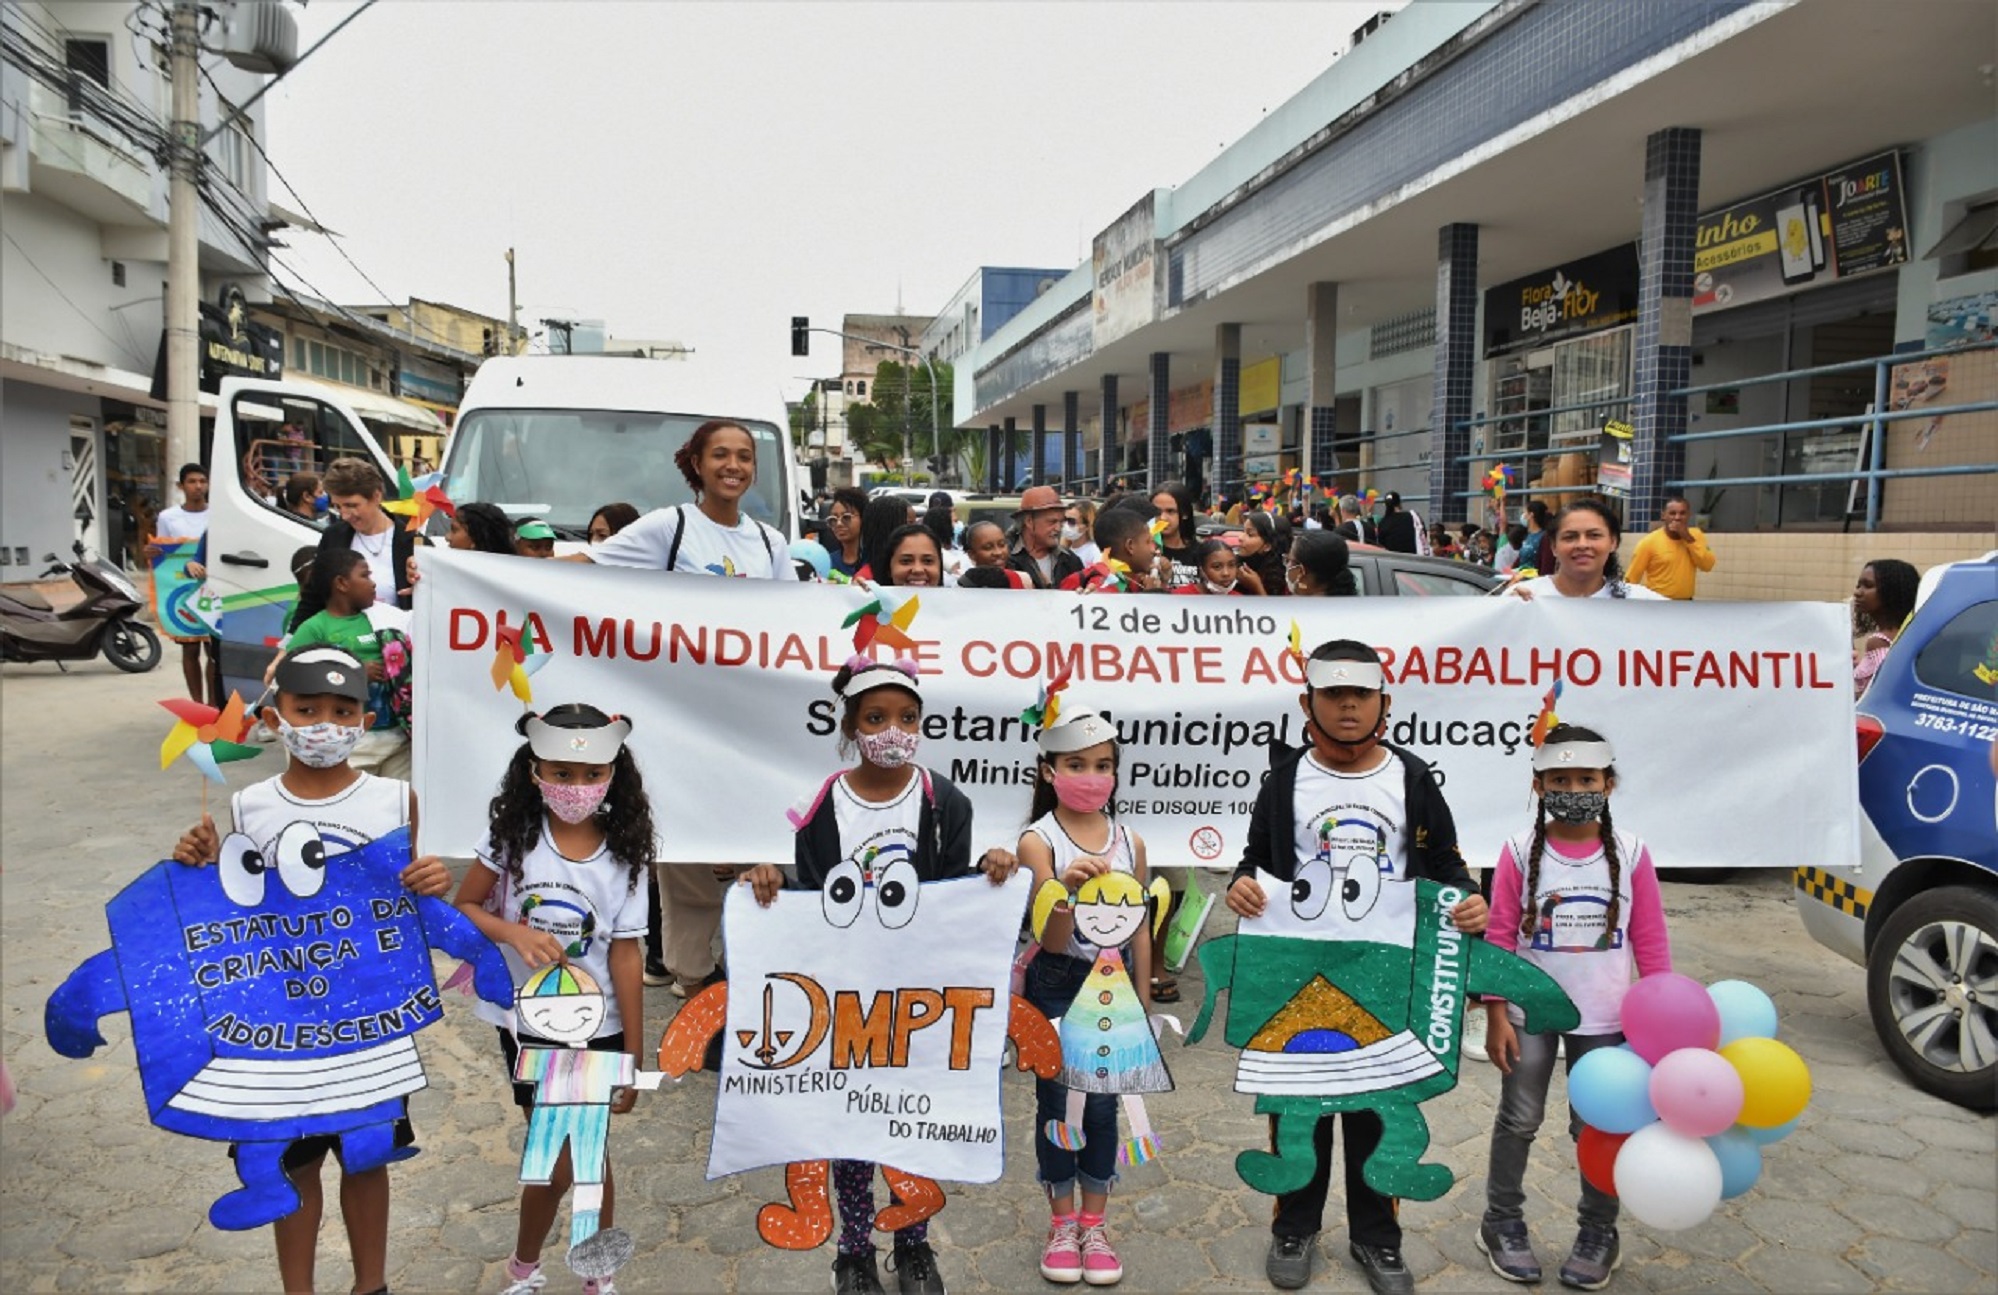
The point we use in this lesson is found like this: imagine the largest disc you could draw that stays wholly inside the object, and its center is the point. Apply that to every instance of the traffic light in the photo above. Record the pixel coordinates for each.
(801, 342)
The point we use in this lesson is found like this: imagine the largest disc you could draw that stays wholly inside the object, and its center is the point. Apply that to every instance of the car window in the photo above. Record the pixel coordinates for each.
(1963, 658)
(1429, 584)
(1363, 580)
(279, 435)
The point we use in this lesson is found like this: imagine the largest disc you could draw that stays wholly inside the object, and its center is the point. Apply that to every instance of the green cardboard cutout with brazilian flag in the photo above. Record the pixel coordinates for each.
(1348, 994)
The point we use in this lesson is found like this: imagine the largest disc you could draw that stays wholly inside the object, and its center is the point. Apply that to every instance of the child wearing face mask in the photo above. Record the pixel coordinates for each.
(563, 876)
(1073, 835)
(884, 810)
(1219, 570)
(319, 712)
(1579, 900)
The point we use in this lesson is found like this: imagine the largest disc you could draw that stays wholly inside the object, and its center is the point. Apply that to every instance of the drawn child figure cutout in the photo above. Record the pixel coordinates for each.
(1107, 1042)
(573, 1087)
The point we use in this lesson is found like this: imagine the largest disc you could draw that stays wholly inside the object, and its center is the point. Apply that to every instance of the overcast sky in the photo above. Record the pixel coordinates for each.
(704, 172)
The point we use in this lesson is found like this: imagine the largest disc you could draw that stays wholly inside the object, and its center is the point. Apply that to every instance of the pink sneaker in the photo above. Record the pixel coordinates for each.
(1062, 1260)
(1100, 1266)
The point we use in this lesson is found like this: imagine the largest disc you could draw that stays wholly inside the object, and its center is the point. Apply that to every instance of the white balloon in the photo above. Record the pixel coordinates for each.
(1667, 1180)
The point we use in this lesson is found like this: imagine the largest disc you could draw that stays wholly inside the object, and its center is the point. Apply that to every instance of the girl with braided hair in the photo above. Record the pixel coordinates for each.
(1579, 900)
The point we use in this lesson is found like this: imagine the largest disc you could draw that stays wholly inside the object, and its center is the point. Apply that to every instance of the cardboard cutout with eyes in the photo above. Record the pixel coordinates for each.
(1348, 995)
(275, 996)
(864, 1021)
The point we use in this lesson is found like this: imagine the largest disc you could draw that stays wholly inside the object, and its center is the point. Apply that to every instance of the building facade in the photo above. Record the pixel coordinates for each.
(1517, 232)
(84, 108)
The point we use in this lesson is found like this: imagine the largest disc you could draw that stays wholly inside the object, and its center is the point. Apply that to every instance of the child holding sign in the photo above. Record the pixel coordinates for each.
(1072, 841)
(319, 713)
(886, 825)
(563, 877)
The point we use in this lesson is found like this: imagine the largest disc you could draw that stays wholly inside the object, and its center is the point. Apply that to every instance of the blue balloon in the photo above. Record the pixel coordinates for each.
(1745, 1011)
(1740, 1159)
(1610, 1089)
(1763, 1137)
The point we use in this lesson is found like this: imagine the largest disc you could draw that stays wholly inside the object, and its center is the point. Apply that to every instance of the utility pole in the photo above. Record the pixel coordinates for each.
(183, 292)
(512, 308)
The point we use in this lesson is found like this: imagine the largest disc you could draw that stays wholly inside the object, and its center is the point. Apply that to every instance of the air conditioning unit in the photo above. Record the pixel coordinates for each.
(261, 36)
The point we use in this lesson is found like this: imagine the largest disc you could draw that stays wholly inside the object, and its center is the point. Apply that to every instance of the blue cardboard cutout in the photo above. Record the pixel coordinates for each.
(275, 996)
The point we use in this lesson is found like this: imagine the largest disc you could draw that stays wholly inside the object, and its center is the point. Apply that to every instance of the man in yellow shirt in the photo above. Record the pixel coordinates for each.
(1669, 559)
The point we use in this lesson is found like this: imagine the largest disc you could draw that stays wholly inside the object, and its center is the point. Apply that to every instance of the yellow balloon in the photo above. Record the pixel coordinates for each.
(1775, 1082)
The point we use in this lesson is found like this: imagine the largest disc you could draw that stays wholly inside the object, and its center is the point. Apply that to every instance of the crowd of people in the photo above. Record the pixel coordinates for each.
(586, 820)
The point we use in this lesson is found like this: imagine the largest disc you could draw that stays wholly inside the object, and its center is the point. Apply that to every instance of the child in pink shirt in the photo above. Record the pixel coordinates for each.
(1579, 900)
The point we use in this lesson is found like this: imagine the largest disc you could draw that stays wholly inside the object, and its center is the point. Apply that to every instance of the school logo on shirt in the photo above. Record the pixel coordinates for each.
(1575, 921)
(726, 567)
(1349, 835)
(570, 920)
(881, 849)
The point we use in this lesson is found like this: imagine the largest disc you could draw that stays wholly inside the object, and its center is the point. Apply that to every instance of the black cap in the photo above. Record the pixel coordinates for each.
(1392, 499)
(323, 671)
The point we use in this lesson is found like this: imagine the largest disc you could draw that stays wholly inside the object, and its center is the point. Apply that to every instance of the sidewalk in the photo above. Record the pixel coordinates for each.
(1882, 1187)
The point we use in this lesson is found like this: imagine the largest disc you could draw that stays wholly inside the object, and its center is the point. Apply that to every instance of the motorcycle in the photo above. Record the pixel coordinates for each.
(31, 629)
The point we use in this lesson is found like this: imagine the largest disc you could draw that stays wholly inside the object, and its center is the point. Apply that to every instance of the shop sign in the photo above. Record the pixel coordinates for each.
(231, 345)
(1262, 386)
(1613, 458)
(1846, 222)
(1123, 265)
(1570, 300)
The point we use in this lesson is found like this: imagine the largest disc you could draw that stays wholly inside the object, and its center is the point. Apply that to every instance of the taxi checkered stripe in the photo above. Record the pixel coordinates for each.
(1836, 891)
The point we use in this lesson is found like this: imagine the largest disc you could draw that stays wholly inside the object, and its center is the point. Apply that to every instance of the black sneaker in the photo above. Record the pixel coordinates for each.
(1596, 1255)
(856, 1275)
(1386, 1273)
(1509, 1251)
(656, 974)
(1288, 1265)
(915, 1269)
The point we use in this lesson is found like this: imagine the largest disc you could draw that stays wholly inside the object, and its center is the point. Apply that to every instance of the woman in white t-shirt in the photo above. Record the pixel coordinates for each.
(711, 536)
(1583, 540)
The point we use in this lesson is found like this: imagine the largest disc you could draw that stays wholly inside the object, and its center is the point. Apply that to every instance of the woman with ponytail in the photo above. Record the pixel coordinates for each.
(1579, 900)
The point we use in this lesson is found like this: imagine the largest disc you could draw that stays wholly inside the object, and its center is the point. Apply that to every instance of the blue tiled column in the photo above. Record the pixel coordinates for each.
(1158, 441)
(1321, 347)
(1071, 441)
(1108, 456)
(1227, 423)
(1009, 456)
(1663, 358)
(1456, 356)
(1037, 466)
(992, 451)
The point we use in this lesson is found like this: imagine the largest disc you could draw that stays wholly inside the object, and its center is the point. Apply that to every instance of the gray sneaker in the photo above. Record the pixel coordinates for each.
(1386, 1273)
(1509, 1251)
(1595, 1256)
(915, 1269)
(1289, 1262)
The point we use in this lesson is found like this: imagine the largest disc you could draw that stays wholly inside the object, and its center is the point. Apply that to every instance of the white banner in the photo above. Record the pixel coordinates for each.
(1733, 722)
(868, 1025)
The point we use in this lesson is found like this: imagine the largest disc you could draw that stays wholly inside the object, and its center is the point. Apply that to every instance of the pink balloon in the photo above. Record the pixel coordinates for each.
(1696, 1092)
(1662, 1014)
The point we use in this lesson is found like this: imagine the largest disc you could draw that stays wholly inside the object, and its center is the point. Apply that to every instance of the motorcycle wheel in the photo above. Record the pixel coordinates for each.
(132, 647)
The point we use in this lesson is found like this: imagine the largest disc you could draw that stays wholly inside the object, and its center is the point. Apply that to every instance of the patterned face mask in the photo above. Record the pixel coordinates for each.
(891, 748)
(1576, 806)
(319, 745)
(572, 802)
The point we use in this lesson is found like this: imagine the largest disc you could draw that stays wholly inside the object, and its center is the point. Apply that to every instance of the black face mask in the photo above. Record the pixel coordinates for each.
(1348, 752)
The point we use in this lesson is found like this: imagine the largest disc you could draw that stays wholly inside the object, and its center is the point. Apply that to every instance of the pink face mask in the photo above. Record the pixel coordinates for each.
(1085, 793)
(572, 802)
(891, 748)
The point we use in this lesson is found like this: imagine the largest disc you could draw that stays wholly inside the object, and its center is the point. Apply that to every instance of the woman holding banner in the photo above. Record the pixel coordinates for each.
(711, 536)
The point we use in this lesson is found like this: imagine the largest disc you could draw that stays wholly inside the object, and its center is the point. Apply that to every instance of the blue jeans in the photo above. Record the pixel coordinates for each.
(1052, 981)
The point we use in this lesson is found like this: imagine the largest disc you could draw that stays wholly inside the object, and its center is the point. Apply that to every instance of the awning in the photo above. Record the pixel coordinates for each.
(372, 406)
(65, 373)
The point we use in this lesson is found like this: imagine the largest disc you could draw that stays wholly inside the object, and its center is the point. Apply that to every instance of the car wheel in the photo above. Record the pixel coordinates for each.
(1932, 989)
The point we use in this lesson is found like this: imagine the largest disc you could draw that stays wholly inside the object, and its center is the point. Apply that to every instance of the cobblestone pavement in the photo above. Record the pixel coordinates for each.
(1881, 1188)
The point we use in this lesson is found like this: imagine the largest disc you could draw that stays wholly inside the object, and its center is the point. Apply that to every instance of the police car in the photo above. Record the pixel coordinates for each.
(1921, 914)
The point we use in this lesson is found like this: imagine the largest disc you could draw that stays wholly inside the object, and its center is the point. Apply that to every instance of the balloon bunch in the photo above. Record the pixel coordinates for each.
(1676, 1118)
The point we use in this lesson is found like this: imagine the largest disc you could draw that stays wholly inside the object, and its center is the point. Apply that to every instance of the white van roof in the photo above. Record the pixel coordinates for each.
(612, 382)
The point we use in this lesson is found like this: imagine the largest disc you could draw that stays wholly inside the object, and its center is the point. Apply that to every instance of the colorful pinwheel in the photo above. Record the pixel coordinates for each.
(209, 738)
(515, 659)
(1047, 707)
(1158, 529)
(1495, 484)
(1547, 719)
(878, 623)
(419, 499)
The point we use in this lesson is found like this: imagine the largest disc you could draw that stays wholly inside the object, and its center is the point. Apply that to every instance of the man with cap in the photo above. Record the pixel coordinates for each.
(534, 538)
(1040, 557)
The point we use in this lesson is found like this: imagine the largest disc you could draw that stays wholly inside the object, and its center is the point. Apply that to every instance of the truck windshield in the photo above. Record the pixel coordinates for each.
(561, 465)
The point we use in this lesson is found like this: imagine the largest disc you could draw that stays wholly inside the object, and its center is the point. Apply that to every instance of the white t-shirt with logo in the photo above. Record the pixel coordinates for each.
(876, 833)
(368, 809)
(179, 524)
(1572, 940)
(1544, 587)
(747, 549)
(1349, 818)
(583, 903)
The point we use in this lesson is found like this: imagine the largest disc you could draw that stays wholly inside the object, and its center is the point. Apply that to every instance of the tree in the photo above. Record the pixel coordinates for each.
(804, 419)
(902, 416)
